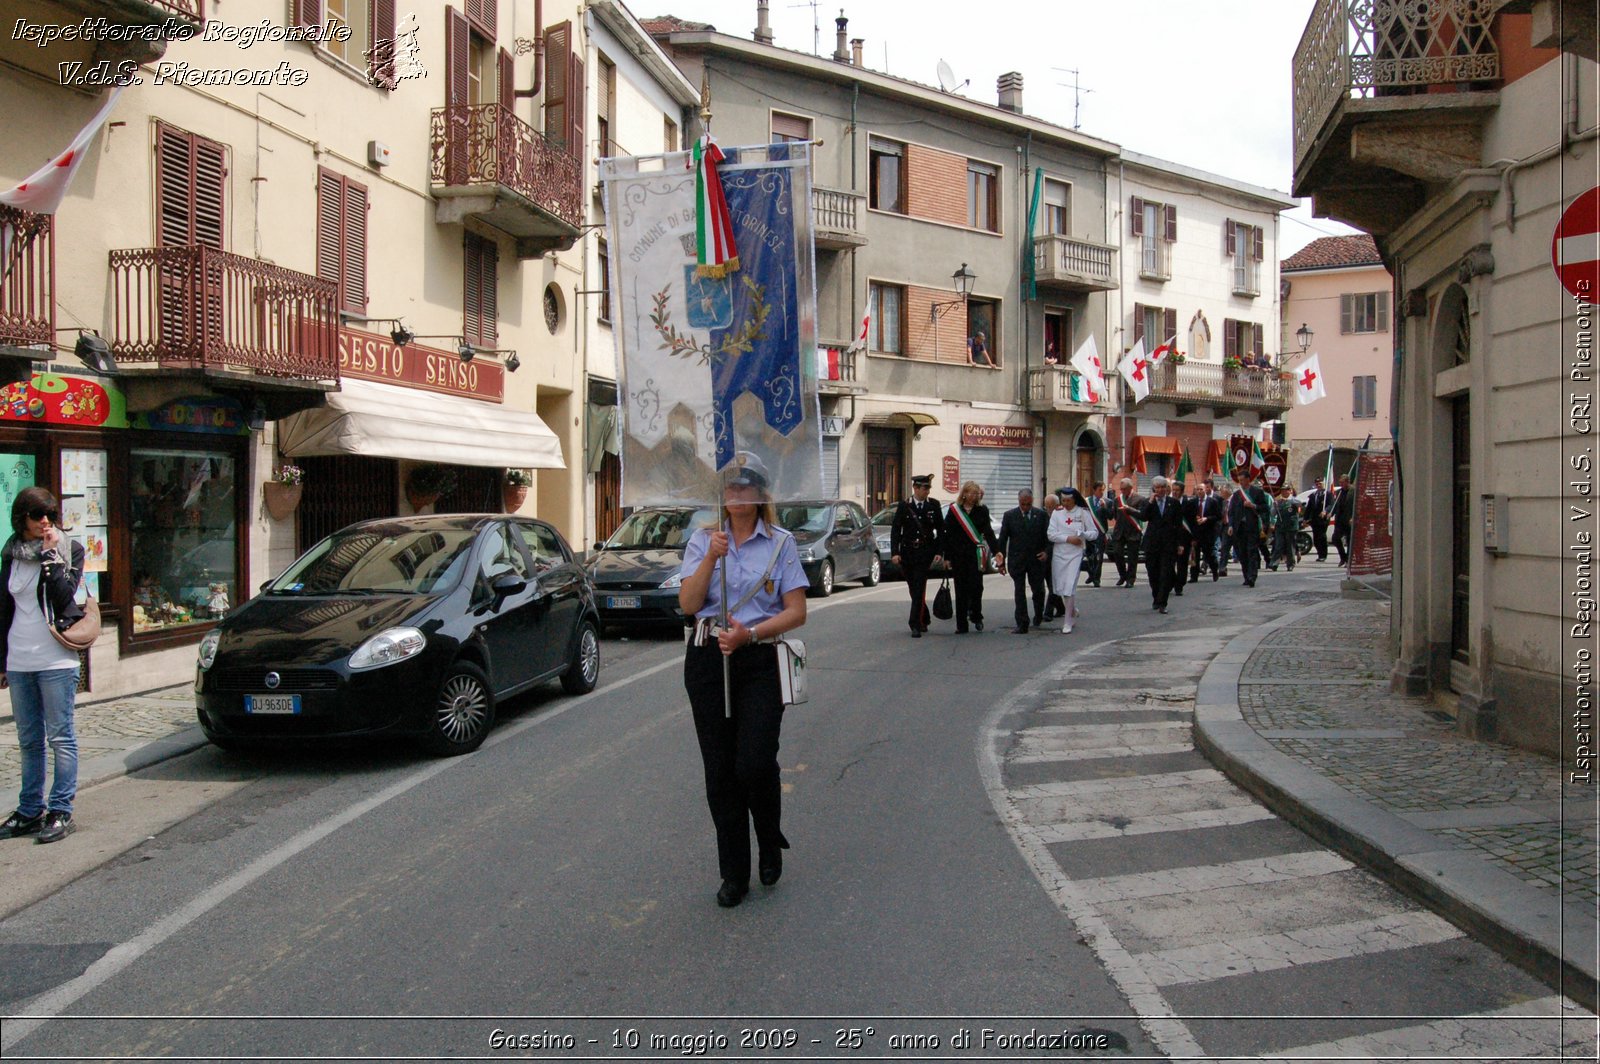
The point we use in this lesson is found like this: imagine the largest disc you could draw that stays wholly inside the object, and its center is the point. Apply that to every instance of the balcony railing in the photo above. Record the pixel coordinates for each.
(837, 368)
(1213, 385)
(1360, 49)
(1059, 261)
(27, 278)
(1050, 388)
(188, 10)
(485, 144)
(837, 218)
(196, 307)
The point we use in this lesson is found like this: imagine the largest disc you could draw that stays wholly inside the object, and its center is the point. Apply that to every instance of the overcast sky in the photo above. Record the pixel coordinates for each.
(1203, 84)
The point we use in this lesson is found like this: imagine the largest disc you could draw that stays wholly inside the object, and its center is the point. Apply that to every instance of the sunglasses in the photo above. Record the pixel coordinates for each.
(40, 515)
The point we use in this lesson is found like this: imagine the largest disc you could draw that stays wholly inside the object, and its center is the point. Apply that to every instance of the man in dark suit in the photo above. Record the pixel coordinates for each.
(1026, 550)
(1344, 511)
(1208, 506)
(1094, 553)
(1125, 533)
(1246, 517)
(1317, 514)
(1188, 531)
(916, 544)
(1162, 541)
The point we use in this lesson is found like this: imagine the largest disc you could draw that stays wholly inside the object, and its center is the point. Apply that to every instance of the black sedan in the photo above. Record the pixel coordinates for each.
(637, 572)
(412, 626)
(836, 542)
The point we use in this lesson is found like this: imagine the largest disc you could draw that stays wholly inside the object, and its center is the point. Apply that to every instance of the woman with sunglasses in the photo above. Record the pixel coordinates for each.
(39, 575)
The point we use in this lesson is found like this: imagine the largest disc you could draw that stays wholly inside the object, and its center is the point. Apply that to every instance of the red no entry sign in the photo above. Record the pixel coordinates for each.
(1575, 249)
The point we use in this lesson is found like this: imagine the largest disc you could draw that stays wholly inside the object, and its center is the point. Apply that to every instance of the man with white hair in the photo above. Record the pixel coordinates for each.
(1162, 542)
(1125, 533)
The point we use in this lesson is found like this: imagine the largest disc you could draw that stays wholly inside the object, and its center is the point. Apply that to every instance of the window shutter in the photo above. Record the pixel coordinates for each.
(308, 12)
(353, 291)
(210, 189)
(1136, 216)
(556, 82)
(1383, 311)
(174, 164)
(382, 69)
(480, 311)
(1169, 324)
(1258, 337)
(1230, 338)
(1229, 239)
(1347, 306)
(508, 80)
(1355, 397)
(330, 197)
(457, 57)
(1172, 223)
(575, 95)
(485, 15)
(1138, 322)
(1258, 242)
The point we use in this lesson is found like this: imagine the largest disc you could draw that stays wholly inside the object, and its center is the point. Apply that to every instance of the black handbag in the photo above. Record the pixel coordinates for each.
(943, 607)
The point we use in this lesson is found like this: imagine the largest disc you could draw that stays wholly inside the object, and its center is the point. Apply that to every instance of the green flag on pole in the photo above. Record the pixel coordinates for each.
(1225, 464)
(1030, 280)
(1185, 468)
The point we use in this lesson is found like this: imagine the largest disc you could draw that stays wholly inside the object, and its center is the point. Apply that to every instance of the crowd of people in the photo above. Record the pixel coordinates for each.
(1176, 534)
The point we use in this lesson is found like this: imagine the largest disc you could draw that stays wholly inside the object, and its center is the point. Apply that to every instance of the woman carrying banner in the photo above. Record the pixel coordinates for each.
(1072, 527)
(765, 590)
(970, 541)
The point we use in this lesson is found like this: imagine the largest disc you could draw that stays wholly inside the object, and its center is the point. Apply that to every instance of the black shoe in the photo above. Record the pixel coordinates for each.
(1161, 609)
(16, 825)
(770, 867)
(978, 625)
(1249, 583)
(57, 826)
(1213, 576)
(1021, 629)
(916, 633)
(1178, 591)
(731, 893)
(961, 631)
(1038, 621)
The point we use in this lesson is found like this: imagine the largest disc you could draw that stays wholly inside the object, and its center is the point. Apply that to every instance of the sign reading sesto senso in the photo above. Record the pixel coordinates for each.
(376, 358)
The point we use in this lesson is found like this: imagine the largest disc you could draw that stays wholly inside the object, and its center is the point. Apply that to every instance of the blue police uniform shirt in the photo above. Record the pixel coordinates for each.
(747, 563)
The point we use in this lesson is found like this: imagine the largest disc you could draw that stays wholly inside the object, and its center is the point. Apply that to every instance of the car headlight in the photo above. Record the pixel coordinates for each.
(208, 648)
(388, 647)
(675, 580)
(808, 554)
(883, 542)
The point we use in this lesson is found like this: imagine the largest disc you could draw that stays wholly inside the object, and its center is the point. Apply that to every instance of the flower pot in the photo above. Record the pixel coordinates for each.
(281, 499)
(419, 501)
(514, 495)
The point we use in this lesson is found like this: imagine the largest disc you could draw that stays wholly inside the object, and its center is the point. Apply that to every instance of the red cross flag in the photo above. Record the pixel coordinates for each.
(1086, 360)
(46, 187)
(1160, 353)
(1308, 381)
(1575, 248)
(1135, 369)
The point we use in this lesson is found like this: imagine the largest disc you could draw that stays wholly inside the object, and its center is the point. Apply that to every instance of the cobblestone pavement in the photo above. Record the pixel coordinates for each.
(1318, 691)
(105, 729)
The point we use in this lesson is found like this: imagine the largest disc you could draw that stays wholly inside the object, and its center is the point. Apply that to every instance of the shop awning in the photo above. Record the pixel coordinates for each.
(900, 419)
(385, 421)
(1147, 445)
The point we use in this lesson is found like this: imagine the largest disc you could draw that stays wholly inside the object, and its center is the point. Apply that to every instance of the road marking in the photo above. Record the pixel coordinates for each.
(1147, 750)
(1045, 812)
(1306, 945)
(1550, 1025)
(1157, 781)
(1146, 825)
(1196, 878)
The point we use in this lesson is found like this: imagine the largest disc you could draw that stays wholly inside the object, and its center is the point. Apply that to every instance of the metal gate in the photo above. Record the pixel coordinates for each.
(830, 467)
(341, 490)
(1000, 471)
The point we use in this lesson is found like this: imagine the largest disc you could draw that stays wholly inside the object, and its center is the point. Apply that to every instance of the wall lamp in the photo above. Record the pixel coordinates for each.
(1302, 336)
(92, 350)
(399, 333)
(963, 279)
(465, 351)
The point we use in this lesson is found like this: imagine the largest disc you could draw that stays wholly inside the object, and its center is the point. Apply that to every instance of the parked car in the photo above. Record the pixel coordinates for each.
(638, 570)
(882, 527)
(412, 626)
(836, 542)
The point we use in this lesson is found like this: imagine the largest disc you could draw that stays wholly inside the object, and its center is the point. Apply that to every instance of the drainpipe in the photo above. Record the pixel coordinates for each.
(1115, 347)
(1571, 137)
(538, 53)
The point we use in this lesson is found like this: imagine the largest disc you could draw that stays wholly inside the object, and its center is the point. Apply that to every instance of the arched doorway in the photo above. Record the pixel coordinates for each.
(1089, 461)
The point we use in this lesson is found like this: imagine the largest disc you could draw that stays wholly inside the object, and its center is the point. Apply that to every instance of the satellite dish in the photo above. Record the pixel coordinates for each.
(947, 78)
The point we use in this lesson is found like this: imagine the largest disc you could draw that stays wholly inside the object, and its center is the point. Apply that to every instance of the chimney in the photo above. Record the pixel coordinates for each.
(763, 25)
(841, 50)
(856, 44)
(1010, 86)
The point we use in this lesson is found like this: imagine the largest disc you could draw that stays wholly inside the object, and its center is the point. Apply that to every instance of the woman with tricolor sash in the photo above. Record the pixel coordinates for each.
(970, 541)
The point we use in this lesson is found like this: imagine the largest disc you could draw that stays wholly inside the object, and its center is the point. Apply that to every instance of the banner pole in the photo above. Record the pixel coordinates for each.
(727, 666)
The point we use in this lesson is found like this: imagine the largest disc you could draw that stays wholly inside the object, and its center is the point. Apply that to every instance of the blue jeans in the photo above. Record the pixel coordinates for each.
(42, 704)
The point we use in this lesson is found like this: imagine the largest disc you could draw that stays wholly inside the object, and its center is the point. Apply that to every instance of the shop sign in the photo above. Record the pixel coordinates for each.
(213, 414)
(61, 399)
(376, 358)
(952, 474)
(996, 436)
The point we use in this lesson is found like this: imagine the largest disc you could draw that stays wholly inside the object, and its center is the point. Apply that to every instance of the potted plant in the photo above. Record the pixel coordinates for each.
(427, 482)
(282, 492)
(1179, 358)
(514, 489)
(1231, 363)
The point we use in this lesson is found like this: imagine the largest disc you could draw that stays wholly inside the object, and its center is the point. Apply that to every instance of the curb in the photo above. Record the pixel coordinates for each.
(1529, 927)
(121, 763)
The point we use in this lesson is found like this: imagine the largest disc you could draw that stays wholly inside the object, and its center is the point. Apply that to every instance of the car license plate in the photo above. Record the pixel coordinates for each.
(622, 602)
(272, 703)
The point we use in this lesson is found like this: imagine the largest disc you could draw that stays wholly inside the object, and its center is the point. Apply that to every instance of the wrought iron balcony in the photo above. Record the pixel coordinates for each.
(199, 308)
(837, 213)
(1074, 265)
(1391, 87)
(27, 278)
(1195, 384)
(1050, 390)
(837, 368)
(489, 164)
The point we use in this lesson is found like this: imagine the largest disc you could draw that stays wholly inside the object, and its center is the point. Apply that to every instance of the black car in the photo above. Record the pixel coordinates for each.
(836, 542)
(412, 626)
(637, 572)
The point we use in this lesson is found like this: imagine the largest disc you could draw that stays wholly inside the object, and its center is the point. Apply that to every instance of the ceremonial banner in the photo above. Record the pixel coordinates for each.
(1371, 542)
(711, 366)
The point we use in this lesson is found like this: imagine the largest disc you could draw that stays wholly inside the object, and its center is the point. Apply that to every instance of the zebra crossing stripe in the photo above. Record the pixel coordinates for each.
(1049, 810)
(1150, 750)
(1197, 878)
(1532, 1030)
(1154, 782)
(1146, 825)
(1307, 945)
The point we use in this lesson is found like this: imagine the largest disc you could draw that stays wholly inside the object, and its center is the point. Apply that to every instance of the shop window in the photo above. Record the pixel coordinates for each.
(85, 509)
(184, 542)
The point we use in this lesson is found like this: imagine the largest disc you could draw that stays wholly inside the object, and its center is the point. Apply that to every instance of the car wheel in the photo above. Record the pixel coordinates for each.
(824, 584)
(874, 573)
(462, 713)
(584, 672)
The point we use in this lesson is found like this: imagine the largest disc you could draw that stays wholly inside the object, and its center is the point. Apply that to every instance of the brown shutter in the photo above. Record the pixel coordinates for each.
(174, 179)
(1258, 337)
(330, 202)
(1229, 238)
(557, 82)
(382, 68)
(457, 57)
(353, 292)
(1169, 324)
(481, 313)
(1230, 338)
(1138, 322)
(472, 290)
(1136, 216)
(508, 80)
(1172, 223)
(210, 191)
(308, 12)
(575, 96)
(1258, 242)
(485, 15)
(1347, 309)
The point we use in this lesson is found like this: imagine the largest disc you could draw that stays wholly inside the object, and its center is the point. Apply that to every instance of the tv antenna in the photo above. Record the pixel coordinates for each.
(947, 78)
(1078, 91)
(816, 27)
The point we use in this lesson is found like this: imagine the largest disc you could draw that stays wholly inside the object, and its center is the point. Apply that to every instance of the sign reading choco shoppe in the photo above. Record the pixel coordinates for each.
(376, 358)
(996, 436)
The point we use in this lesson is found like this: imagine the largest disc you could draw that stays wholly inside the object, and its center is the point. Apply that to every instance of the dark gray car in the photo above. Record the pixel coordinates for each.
(637, 572)
(835, 540)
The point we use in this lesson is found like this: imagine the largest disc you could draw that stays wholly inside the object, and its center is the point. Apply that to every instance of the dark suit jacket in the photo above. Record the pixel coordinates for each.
(1124, 526)
(1211, 509)
(1316, 505)
(1241, 517)
(1023, 535)
(915, 537)
(959, 550)
(1344, 506)
(1163, 527)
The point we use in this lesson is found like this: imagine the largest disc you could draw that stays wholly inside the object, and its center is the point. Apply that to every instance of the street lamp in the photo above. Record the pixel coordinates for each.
(1302, 336)
(963, 279)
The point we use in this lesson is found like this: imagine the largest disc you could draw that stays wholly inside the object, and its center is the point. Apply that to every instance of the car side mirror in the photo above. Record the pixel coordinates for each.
(504, 586)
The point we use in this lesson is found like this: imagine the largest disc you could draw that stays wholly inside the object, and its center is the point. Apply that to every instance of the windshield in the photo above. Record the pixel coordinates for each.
(384, 559)
(805, 518)
(884, 516)
(659, 529)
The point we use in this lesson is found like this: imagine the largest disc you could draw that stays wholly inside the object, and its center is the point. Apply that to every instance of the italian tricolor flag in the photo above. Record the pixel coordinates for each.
(715, 253)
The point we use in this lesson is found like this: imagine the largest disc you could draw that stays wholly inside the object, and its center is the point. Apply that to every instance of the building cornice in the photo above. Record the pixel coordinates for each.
(620, 21)
(1270, 198)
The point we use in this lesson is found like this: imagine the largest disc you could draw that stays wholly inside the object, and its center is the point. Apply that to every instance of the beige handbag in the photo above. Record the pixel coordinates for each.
(81, 633)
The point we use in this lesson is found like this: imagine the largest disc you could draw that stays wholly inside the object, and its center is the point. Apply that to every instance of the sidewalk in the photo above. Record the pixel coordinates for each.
(115, 737)
(1299, 712)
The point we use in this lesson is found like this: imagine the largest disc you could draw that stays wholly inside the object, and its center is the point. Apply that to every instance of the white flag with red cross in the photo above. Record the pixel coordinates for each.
(1160, 354)
(44, 190)
(1135, 369)
(1086, 360)
(866, 326)
(1308, 381)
